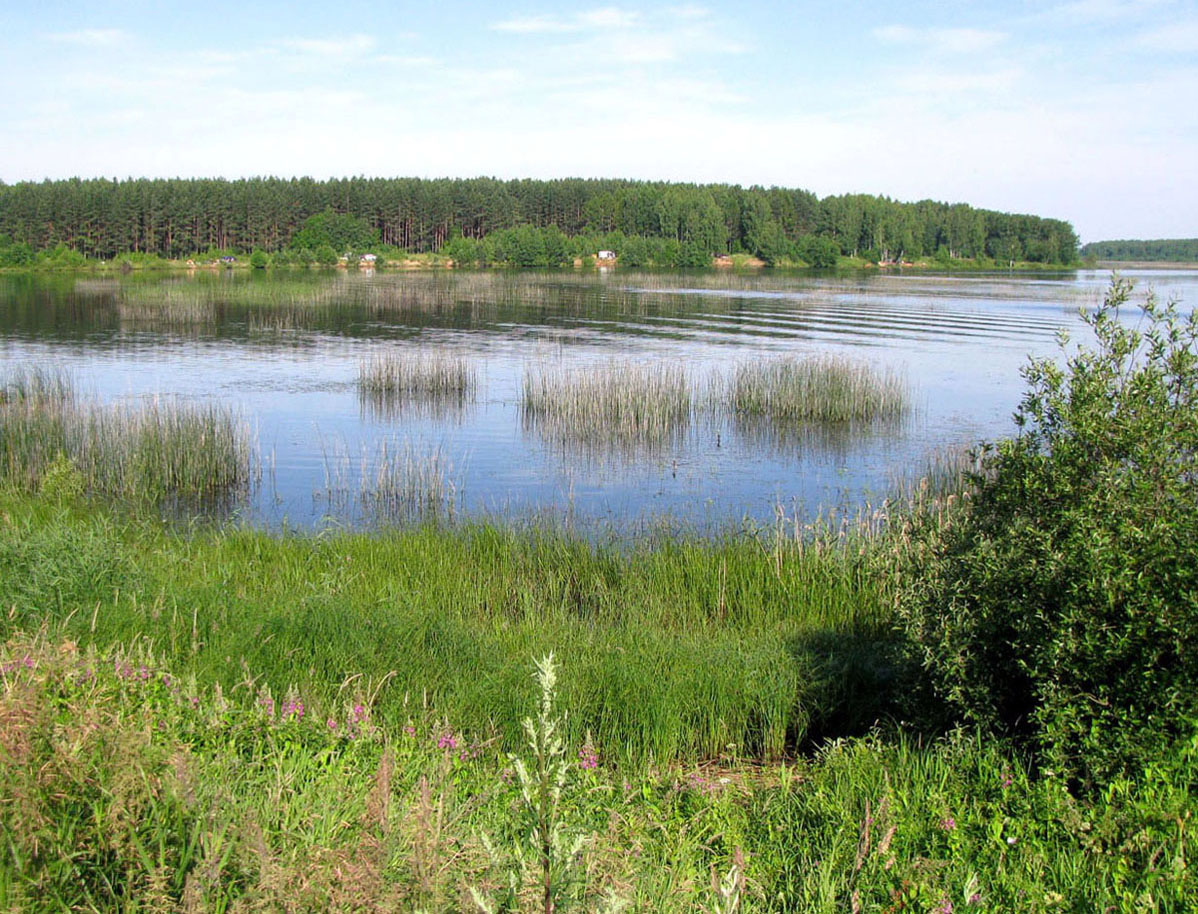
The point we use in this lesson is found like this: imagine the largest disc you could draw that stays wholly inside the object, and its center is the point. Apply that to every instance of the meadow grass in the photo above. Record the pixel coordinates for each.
(816, 389)
(129, 785)
(679, 648)
(153, 452)
(618, 403)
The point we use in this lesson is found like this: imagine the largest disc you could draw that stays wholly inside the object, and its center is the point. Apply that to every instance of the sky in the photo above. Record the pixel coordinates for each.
(1085, 110)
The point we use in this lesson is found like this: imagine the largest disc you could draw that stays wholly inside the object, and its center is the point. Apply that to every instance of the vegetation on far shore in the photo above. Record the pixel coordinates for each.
(519, 223)
(978, 698)
(1165, 250)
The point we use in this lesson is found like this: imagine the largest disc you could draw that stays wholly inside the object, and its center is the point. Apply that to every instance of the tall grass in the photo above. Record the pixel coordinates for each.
(619, 403)
(396, 484)
(818, 389)
(154, 452)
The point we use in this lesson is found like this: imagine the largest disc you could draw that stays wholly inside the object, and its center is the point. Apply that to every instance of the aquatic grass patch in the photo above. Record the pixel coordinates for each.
(406, 484)
(36, 386)
(435, 382)
(793, 391)
(154, 451)
(395, 483)
(623, 404)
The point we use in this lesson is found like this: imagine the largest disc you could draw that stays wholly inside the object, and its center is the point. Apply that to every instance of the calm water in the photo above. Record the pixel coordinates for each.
(285, 351)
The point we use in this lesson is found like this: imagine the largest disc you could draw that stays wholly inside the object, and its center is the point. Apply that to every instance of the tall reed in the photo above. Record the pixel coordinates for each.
(817, 389)
(617, 403)
(161, 450)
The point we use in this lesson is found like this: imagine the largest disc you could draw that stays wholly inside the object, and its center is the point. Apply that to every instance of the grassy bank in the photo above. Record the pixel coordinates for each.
(678, 648)
(130, 787)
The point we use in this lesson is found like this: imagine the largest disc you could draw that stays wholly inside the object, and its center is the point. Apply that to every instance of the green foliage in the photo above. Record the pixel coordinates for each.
(1172, 250)
(259, 260)
(62, 481)
(1063, 606)
(340, 231)
(820, 253)
(326, 255)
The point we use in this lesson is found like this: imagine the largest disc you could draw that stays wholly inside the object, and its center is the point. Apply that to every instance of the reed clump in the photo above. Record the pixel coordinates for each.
(818, 389)
(617, 403)
(153, 452)
(436, 383)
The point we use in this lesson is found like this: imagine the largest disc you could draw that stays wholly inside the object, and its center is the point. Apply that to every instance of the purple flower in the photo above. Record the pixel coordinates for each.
(293, 710)
(359, 713)
(410, 730)
(948, 823)
(588, 758)
(946, 907)
(332, 724)
(447, 741)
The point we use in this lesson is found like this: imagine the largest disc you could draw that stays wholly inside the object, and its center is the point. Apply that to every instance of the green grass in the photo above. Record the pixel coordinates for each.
(678, 648)
(618, 403)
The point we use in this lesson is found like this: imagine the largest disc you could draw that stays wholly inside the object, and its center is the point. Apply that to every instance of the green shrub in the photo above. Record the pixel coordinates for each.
(1063, 605)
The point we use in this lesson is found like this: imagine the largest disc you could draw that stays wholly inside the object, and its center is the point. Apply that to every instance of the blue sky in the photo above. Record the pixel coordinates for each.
(1085, 110)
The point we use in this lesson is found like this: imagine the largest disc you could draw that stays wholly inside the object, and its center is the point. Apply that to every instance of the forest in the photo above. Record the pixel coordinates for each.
(173, 218)
(1161, 250)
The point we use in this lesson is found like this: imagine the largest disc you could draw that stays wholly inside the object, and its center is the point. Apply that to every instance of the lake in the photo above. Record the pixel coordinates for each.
(284, 349)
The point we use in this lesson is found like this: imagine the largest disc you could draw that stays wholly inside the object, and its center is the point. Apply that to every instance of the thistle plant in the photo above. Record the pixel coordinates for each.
(548, 852)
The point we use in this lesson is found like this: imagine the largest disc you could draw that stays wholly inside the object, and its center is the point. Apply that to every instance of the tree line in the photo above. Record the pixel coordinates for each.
(1163, 250)
(172, 218)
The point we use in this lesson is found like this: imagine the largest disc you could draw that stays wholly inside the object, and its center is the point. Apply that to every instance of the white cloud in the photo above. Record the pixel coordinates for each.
(606, 17)
(951, 41)
(92, 38)
(330, 47)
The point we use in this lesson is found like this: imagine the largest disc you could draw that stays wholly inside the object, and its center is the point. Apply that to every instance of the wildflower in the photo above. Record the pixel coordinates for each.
(410, 730)
(948, 823)
(293, 709)
(332, 724)
(975, 898)
(1011, 841)
(447, 741)
(1007, 780)
(588, 758)
(359, 713)
(946, 907)
(269, 704)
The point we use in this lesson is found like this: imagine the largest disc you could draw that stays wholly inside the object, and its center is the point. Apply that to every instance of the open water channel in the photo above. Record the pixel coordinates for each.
(284, 350)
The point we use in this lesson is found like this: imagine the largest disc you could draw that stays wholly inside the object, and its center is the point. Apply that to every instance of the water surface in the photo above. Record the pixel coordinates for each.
(285, 348)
